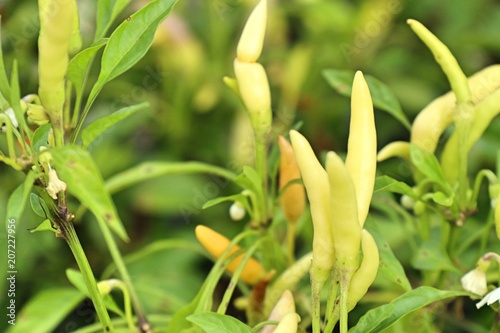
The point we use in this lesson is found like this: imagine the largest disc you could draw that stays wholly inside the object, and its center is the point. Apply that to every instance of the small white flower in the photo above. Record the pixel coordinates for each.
(475, 282)
(490, 298)
(55, 184)
(237, 211)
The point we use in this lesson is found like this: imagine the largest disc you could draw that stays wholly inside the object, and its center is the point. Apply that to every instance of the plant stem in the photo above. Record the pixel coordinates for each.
(344, 291)
(75, 246)
(144, 324)
(316, 287)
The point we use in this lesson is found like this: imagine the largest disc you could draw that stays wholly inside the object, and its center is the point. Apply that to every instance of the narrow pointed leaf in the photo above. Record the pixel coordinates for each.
(384, 316)
(98, 126)
(389, 184)
(79, 65)
(107, 11)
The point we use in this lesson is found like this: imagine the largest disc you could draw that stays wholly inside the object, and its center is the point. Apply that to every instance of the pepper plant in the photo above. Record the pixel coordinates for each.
(274, 286)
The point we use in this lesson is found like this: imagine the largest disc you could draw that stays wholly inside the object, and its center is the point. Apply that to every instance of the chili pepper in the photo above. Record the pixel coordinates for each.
(367, 271)
(216, 244)
(293, 199)
(318, 191)
(431, 122)
(361, 160)
(393, 149)
(485, 111)
(253, 87)
(284, 306)
(446, 60)
(252, 38)
(288, 324)
(56, 26)
(344, 213)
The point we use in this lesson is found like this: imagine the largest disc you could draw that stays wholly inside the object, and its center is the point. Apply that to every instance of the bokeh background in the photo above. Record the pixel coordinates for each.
(194, 117)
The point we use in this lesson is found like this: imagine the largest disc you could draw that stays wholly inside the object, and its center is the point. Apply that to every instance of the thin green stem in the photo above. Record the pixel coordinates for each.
(126, 301)
(316, 287)
(344, 293)
(234, 279)
(76, 248)
(331, 314)
(122, 269)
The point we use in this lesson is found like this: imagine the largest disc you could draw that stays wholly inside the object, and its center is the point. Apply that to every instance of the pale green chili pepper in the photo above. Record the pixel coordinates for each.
(344, 213)
(56, 27)
(288, 324)
(433, 120)
(446, 60)
(367, 271)
(361, 160)
(485, 111)
(252, 38)
(395, 149)
(284, 306)
(315, 181)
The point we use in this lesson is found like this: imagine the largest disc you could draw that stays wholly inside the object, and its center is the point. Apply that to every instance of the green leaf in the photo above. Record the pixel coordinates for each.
(18, 198)
(131, 40)
(389, 184)
(107, 11)
(150, 170)
(249, 179)
(428, 164)
(41, 137)
(216, 201)
(79, 65)
(432, 256)
(38, 315)
(76, 167)
(439, 198)
(76, 279)
(384, 316)
(98, 126)
(212, 322)
(382, 96)
(15, 97)
(46, 225)
(38, 205)
(389, 266)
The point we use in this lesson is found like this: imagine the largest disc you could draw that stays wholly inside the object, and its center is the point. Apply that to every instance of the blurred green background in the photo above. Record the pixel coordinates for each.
(193, 116)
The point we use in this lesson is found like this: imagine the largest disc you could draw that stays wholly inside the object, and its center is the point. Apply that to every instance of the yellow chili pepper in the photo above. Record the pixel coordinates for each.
(293, 200)
(318, 191)
(252, 38)
(485, 111)
(56, 27)
(216, 244)
(284, 306)
(253, 87)
(344, 213)
(289, 324)
(432, 121)
(367, 271)
(446, 60)
(361, 160)
(395, 149)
